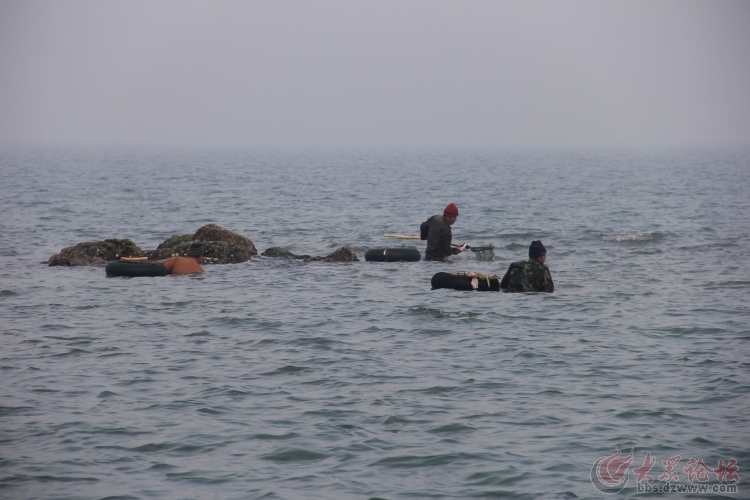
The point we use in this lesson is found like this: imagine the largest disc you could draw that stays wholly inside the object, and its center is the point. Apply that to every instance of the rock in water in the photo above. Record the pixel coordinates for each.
(343, 254)
(172, 247)
(278, 252)
(221, 245)
(95, 252)
(212, 232)
(281, 252)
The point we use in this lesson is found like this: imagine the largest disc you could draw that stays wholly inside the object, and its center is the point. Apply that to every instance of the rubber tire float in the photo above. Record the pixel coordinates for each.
(135, 269)
(398, 254)
(448, 280)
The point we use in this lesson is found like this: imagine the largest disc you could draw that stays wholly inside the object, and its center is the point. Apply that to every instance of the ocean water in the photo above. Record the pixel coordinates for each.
(279, 379)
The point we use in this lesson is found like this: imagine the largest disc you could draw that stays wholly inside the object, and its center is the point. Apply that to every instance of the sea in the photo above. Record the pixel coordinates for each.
(280, 379)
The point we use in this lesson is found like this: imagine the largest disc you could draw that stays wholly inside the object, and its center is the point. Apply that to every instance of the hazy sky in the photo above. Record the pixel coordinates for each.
(375, 73)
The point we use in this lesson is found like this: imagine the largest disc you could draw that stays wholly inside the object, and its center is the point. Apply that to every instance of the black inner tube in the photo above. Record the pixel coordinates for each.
(135, 269)
(397, 254)
(448, 280)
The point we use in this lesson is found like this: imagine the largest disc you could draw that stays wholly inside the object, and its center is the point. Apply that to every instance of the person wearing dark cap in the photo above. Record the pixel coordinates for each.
(529, 275)
(186, 265)
(437, 231)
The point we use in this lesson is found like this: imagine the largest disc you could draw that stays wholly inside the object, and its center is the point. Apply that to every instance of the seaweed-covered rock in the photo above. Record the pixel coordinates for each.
(174, 242)
(281, 252)
(212, 232)
(277, 252)
(95, 252)
(221, 245)
(343, 254)
(217, 252)
(172, 247)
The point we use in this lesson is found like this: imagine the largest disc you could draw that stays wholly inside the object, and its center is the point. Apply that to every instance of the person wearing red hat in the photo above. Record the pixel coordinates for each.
(437, 231)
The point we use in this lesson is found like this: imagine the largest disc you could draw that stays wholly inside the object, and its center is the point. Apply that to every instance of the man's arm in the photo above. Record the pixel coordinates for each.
(506, 278)
(446, 237)
(548, 285)
(168, 263)
(504, 282)
(434, 236)
(424, 230)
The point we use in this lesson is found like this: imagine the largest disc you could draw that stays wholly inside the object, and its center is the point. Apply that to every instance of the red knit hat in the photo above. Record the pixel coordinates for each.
(451, 209)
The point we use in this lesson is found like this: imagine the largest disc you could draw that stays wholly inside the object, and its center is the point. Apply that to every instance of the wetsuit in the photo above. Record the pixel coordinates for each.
(439, 238)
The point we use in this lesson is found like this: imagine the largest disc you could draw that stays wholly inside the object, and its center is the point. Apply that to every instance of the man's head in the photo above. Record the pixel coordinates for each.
(196, 250)
(537, 251)
(451, 213)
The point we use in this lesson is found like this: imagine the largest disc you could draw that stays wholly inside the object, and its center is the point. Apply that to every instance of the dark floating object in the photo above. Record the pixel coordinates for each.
(398, 254)
(135, 269)
(466, 281)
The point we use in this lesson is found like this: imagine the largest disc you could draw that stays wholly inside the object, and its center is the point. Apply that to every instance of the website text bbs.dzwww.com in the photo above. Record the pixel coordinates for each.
(645, 487)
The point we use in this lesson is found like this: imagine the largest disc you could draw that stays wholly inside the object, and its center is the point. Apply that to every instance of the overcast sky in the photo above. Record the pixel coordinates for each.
(375, 73)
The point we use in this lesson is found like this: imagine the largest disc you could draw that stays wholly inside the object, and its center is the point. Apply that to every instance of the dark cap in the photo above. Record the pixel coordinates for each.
(451, 209)
(536, 249)
(196, 249)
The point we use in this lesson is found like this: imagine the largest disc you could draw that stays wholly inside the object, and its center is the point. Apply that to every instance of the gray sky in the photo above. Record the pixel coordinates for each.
(375, 73)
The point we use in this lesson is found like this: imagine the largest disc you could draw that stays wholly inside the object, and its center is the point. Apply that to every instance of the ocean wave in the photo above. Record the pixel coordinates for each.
(284, 370)
(436, 460)
(451, 428)
(728, 284)
(439, 313)
(295, 455)
(634, 237)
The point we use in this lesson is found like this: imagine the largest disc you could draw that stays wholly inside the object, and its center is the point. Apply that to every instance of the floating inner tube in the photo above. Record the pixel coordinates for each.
(404, 254)
(134, 269)
(448, 280)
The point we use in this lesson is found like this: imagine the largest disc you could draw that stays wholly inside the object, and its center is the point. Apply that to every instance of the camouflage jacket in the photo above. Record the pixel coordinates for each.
(528, 275)
(439, 238)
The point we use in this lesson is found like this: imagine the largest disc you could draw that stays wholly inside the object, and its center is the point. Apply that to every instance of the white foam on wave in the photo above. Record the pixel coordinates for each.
(636, 236)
